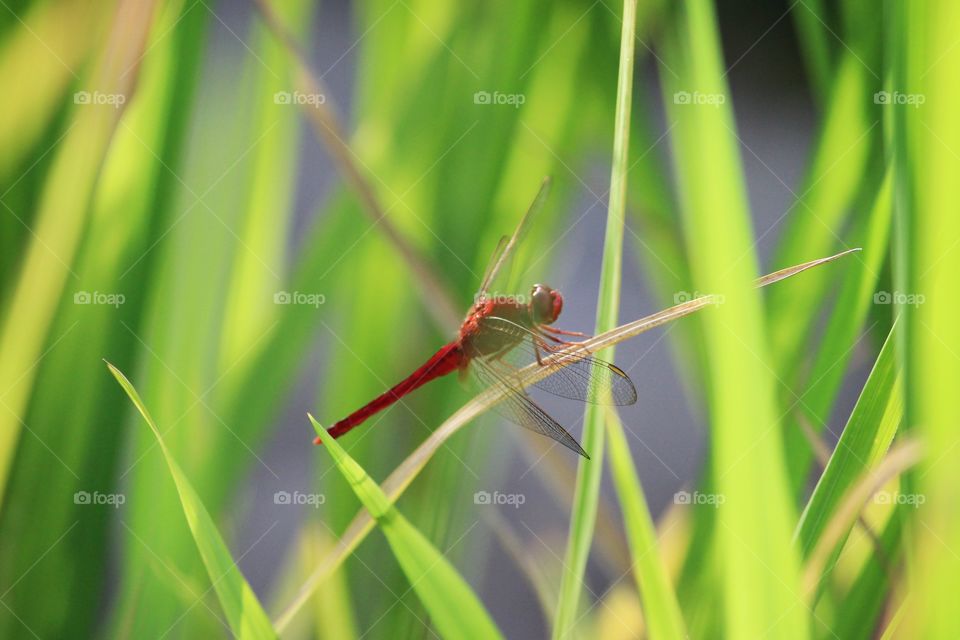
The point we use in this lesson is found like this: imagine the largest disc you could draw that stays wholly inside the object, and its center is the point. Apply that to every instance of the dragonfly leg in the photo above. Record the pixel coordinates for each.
(536, 349)
(541, 346)
(562, 332)
(555, 339)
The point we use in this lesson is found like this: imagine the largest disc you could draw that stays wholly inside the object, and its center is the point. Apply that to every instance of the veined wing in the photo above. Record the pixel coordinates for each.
(575, 374)
(493, 266)
(506, 246)
(518, 407)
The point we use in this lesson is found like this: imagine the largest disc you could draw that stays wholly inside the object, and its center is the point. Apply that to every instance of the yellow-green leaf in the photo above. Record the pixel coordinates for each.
(660, 607)
(453, 606)
(244, 612)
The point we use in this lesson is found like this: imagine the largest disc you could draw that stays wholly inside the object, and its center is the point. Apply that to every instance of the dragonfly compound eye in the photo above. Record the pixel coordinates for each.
(545, 304)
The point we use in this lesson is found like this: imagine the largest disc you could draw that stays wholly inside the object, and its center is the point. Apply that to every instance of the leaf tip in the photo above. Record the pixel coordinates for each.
(318, 428)
(116, 373)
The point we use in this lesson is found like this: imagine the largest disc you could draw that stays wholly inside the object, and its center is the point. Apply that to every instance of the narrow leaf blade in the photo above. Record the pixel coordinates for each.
(244, 612)
(453, 606)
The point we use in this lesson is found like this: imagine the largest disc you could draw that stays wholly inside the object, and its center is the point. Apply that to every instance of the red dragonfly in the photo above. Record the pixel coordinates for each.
(501, 334)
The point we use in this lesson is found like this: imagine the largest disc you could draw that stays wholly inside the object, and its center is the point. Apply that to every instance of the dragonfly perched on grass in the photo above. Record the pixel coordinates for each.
(500, 335)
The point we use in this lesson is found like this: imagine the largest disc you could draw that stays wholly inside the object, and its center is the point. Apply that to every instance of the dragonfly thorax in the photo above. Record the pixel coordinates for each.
(541, 308)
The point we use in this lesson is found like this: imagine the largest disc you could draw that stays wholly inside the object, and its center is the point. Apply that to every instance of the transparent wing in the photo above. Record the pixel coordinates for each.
(575, 375)
(518, 407)
(493, 266)
(506, 246)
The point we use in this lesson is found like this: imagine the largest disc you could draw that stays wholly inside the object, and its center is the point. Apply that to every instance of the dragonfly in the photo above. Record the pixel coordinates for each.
(499, 336)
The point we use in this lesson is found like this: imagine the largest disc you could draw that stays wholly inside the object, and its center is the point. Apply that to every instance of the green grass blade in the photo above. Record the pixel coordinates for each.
(608, 302)
(759, 568)
(816, 220)
(330, 612)
(863, 443)
(244, 612)
(179, 342)
(891, 630)
(453, 606)
(543, 585)
(820, 561)
(266, 222)
(36, 57)
(327, 128)
(551, 112)
(815, 43)
(854, 300)
(660, 608)
(128, 202)
(869, 592)
(659, 245)
(926, 144)
(63, 212)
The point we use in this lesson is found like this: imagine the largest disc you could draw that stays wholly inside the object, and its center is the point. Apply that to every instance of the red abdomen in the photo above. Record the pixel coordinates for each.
(447, 360)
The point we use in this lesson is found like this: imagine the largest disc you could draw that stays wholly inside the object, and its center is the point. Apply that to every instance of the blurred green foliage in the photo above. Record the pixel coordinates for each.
(149, 216)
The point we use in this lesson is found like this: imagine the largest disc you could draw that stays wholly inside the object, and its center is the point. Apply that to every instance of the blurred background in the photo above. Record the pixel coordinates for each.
(177, 200)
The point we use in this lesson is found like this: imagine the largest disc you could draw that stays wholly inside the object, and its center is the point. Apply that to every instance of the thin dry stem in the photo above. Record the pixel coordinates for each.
(326, 126)
(822, 454)
(900, 458)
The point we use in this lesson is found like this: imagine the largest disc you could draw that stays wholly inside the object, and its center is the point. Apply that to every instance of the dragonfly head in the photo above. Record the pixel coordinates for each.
(545, 304)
